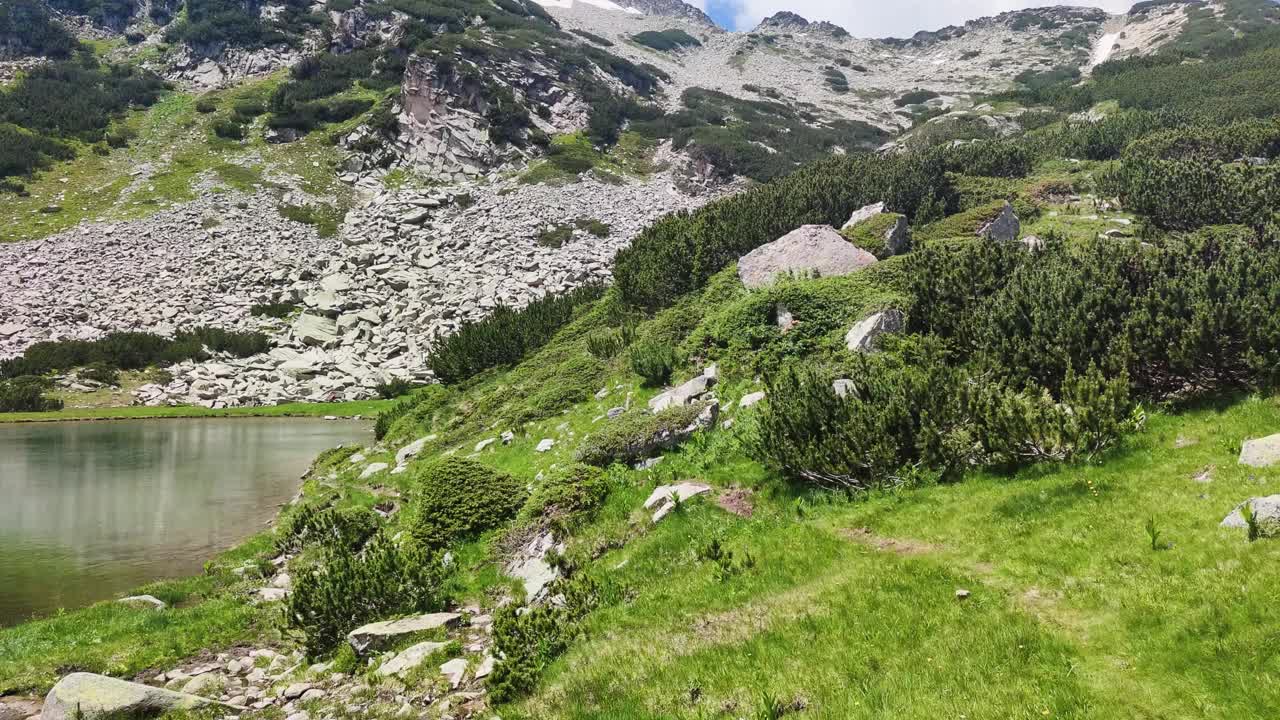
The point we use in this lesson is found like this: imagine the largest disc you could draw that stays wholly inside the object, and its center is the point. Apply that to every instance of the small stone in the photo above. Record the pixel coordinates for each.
(962, 594)
(295, 691)
(665, 498)
(455, 671)
(373, 469)
(147, 601)
(546, 445)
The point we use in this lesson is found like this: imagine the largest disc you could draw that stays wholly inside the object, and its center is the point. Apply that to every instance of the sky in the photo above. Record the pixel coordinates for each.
(880, 18)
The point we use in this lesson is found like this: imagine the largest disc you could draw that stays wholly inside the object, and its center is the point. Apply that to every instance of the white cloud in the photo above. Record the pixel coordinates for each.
(885, 18)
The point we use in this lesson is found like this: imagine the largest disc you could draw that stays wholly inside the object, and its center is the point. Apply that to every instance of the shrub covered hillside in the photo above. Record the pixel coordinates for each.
(1014, 454)
(61, 108)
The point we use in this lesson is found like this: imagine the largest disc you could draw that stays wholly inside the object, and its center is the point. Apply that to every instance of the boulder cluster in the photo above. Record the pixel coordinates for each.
(406, 267)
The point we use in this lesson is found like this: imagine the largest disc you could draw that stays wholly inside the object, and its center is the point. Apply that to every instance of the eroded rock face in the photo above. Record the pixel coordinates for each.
(443, 122)
(813, 250)
(85, 696)
(530, 566)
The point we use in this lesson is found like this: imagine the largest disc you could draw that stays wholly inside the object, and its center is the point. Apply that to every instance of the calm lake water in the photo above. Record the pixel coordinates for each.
(91, 509)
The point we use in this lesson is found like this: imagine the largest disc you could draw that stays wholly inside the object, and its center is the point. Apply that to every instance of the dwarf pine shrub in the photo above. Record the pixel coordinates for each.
(507, 335)
(350, 527)
(989, 158)
(653, 361)
(350, 587)
(455, 498)
(567, 497)
(1179, 320)
(910, 406)
(133, 350)
(26, 394)
(529, 640)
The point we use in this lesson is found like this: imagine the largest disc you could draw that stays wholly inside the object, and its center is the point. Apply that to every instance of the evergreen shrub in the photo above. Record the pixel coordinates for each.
(455, 499)
(350, 587)
(507, 335)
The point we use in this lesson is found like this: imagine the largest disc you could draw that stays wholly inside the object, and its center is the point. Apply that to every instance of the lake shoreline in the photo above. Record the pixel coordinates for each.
(366, 409)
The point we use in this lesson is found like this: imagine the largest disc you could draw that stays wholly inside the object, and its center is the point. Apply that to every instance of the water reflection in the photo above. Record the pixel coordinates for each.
(88, 510)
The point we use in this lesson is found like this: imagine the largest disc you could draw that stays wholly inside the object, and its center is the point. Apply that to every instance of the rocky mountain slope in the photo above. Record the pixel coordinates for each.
(532, 123)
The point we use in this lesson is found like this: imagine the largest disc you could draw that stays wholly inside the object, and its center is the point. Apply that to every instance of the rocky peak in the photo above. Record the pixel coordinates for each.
(1149, 6)
(789, 22)
(1057, 17)
(671, 8)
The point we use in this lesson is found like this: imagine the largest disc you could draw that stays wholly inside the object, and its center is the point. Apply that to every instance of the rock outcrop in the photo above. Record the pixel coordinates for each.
(1004, 228)
(85, 696)
(863, 336)
(1266, 514)
(1261, 452)
(812, 250)
(374, 635)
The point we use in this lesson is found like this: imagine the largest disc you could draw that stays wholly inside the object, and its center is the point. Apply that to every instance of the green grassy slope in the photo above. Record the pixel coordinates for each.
(851, 607)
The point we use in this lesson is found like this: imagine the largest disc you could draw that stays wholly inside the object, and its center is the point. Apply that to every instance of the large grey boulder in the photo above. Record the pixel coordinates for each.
(811, 250)
(874, 226)
(1004, 228)
(897, 239)
(85, 696)
(413, 449)
(864, 214)
(373, 635)
(316, 330)
(1262, 452)
(664, 499)
(683, 395)
(531, 568)
(863, 336)
(1266, 510)
(409, 659)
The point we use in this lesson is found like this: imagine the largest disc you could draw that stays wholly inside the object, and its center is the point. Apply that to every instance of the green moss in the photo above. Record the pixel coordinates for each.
(870, 234)
(960, 225)
(743, 337)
